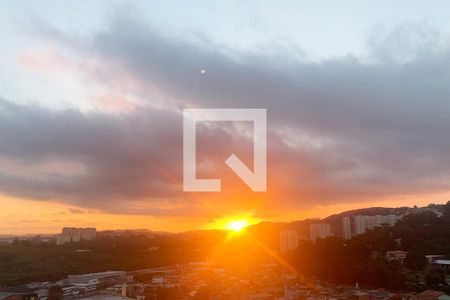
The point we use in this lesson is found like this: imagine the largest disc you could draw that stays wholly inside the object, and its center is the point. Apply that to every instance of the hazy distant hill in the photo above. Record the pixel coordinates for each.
(371, 211)
(302, 226)
(145, 232)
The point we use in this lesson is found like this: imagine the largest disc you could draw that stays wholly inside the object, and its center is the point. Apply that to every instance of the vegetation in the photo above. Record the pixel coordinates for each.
(362, 259)
(23, 261)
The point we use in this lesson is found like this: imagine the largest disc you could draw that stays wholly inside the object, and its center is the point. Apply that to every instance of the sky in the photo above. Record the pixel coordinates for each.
(92, 94)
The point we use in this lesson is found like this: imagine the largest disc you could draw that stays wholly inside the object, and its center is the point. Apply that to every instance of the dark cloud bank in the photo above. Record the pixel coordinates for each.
(340, 130)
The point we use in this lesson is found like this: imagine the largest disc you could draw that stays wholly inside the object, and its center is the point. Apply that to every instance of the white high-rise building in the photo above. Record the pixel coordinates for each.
(364, 223)
(370, 222)
(360, 225)
(391, 219)
(72, 234)
(346, 228)
(288, 240)
(321, 230)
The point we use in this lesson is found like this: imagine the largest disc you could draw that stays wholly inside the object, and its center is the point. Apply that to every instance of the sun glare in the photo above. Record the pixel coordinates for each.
(237, 225)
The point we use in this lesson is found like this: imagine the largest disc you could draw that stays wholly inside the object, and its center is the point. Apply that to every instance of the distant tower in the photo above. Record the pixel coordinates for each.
(124, 290)
(288, 240)
(360, 225)
(346, 228)
(322, 230)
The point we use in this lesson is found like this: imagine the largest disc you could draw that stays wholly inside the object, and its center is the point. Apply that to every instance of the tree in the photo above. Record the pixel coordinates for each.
(415, 260)
(55, 293)
(435, 277)
(447, 210)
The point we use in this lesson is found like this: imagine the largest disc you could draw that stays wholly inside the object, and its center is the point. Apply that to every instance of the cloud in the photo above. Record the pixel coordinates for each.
(408, 42)
(76, 211)
(386, 121)
(343, 130)
(120, 154)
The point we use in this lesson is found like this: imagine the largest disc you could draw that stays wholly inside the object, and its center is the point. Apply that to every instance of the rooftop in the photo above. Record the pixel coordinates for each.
(442, 261)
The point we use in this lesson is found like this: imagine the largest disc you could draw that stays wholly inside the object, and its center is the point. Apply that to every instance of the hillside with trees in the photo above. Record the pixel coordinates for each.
(362, 259)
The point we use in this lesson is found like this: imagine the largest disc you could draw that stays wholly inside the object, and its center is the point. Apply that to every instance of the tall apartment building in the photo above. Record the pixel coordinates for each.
(364, 223)
(72, 234)
(360, 226)
(346, 228)
(288, 240)
(321, 230)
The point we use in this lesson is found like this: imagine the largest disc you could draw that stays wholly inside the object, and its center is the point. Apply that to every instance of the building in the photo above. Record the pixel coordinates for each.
(118, 276)
(442, 263)
(433, 257)
(360, 295)
(364, 223)
(288, 240)
(430, 295)
(360, 226)
(18, 296)
(396, 255)
(85, 285)
(346, 228)
(322, 230)
(72, 234)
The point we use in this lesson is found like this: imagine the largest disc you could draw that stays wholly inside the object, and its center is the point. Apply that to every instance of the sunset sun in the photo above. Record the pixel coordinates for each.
(237, 225)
